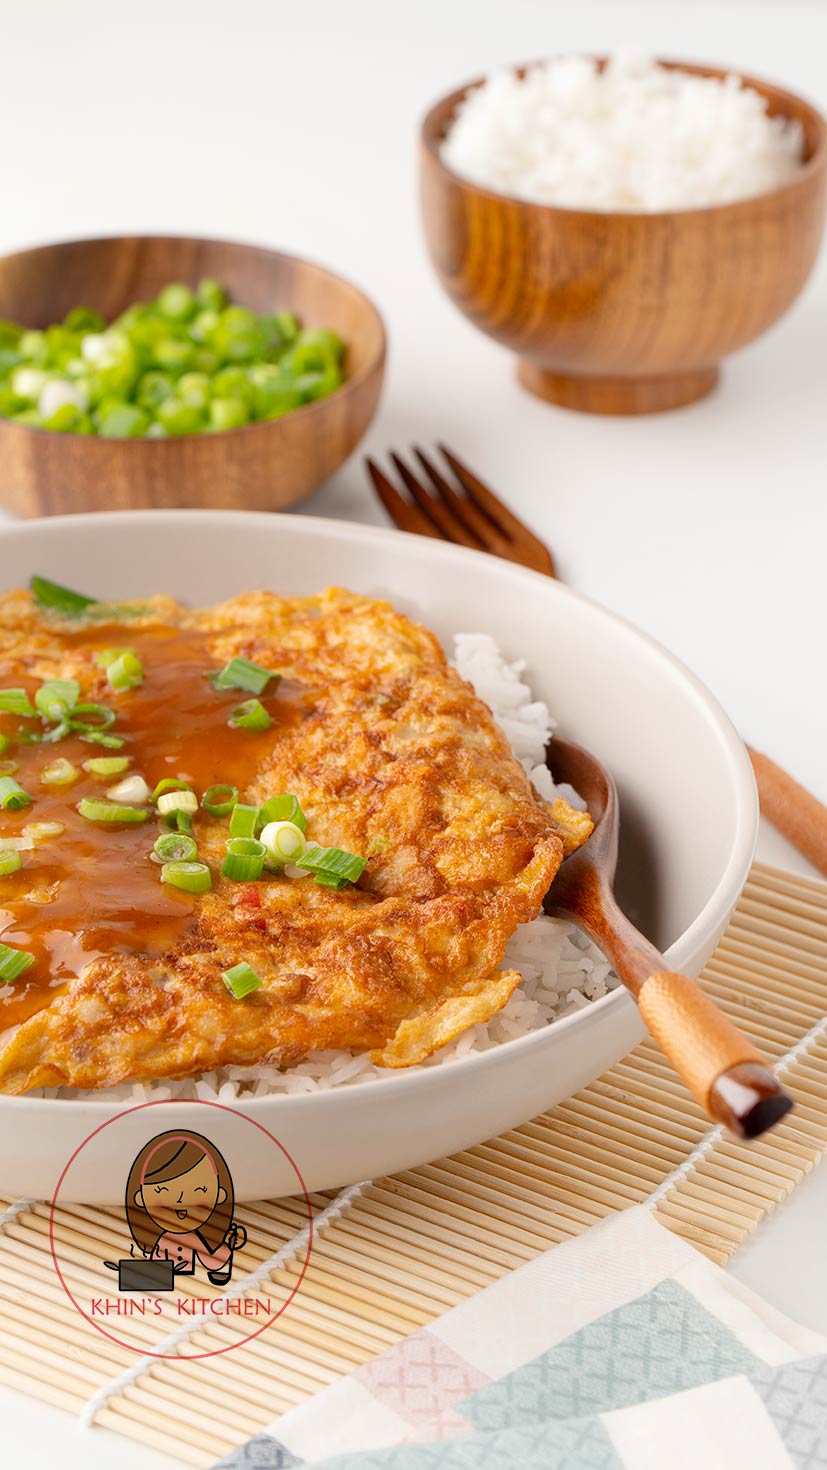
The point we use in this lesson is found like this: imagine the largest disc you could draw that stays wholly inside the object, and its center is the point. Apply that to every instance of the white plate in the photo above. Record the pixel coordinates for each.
(688, 804)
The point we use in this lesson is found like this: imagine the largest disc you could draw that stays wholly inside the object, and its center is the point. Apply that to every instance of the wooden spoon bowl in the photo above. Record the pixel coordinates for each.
(722, 1069)
(623, 313)
(264, 466)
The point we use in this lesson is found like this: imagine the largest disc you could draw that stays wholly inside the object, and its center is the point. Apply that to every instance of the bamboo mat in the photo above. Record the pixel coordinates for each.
(391, 1255)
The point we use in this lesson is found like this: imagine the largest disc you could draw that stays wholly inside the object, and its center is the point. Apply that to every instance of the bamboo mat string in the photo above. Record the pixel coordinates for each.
(710, 1139)
(14, 1210)
(285, 1253)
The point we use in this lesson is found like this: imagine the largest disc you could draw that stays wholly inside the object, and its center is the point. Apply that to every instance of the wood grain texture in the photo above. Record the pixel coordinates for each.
(623, 313)
(725, 1072)
(264, 466)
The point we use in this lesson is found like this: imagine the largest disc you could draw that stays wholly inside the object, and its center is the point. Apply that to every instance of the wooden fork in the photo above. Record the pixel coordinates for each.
(466, 512)
(469, 513)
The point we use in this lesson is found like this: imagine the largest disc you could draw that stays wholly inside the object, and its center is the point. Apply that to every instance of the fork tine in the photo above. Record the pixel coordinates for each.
(504, 519)
(449, 526)
(466, 511)
(404, 515)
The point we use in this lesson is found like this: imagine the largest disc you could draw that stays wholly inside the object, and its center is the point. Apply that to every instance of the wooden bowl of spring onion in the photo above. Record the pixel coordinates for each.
(155, 371)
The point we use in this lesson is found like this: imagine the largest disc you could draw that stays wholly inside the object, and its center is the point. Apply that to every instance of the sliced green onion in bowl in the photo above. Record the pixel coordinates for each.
(327, 863)
(244, 820)
(60, 773)
(99, 737)
(220, 799)
(101, 713)
(183, 800)
(191, 877)
(244, 860)
(16, 702)
(10, 862)
(242, 673)
(284, 809)
(108, 811)
(106, 765)
(175, 847)
(9, 768)
(56, 698)
(170, 783)
(53, 598)
(12, 795)
(12, 963)
(4, 744)
(251, 715)
(241, 980)
(284, 841)
(42, 831)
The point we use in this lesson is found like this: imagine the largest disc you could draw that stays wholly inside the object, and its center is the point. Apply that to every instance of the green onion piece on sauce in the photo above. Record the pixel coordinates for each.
(244, 820)
(56, 698)
(251, 715)
(10, 862)
(219, 800)
(12, 796)
(175, 847)
(16, 702)
(109, 811)
(191, 877)
(13, 962)
(331, 863)
(53, 598)
(242, 673)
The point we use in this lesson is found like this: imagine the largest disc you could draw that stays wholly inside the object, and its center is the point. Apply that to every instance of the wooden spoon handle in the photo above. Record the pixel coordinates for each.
(724, 1072)
(799, 815)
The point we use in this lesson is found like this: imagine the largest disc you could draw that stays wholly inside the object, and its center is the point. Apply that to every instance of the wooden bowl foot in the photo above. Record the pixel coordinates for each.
(653, 394)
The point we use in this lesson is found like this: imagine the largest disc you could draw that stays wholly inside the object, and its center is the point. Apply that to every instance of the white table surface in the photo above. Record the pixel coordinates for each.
(294, 125)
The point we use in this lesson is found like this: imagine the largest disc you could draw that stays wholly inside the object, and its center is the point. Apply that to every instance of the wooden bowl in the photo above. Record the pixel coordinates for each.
(623, 312)
(263, 466)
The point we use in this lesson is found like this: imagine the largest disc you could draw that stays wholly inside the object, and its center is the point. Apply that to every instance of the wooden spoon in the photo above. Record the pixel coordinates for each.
(723, 1071)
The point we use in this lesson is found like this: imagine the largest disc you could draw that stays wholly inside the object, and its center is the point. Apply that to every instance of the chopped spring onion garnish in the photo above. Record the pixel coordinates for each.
(179, 822)
(241, 980)
(12, 796)
(177, 801)
(4, 743)
(219, 800)
(106, 765)
(101, 714)
(60, 773)
(46, 737)
(192, 877)
(9, 768)
(124, 669)
(107, 811)
(331, 866)
(16, 844)
(42, 831)
(242, 673)
(284, 809)
(16, 702)
(10, 862)
(244, 820)
(284, 842)
(170, 784)
(251, 715)
(99, 737)
(52, 596)
(12, 963)
(56, 698)
(133, 790)
(175, 847)
(244, 859)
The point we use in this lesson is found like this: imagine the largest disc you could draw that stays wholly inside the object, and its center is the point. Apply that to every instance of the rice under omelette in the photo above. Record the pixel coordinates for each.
(391, 756)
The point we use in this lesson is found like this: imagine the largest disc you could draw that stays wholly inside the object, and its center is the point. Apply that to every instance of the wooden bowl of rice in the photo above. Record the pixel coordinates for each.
(624, 312)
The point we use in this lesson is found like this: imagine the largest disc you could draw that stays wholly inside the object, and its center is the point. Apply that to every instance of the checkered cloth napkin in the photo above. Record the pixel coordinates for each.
(621, 1350)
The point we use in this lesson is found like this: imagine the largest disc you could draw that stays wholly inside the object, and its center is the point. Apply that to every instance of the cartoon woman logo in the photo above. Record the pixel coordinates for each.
(179, 1208)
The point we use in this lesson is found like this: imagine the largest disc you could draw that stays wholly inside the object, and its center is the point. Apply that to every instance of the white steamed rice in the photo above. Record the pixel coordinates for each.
(636, 136)
(561, 970)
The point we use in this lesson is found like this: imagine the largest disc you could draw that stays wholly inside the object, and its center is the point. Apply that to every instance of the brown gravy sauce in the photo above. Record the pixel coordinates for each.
(93, 890)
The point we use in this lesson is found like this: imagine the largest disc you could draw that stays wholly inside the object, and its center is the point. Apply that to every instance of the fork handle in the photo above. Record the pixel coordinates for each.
(724, 1072)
